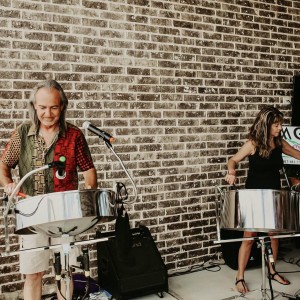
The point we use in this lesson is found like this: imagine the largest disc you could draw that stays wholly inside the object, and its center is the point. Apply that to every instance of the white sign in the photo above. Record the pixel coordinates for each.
(292, 135)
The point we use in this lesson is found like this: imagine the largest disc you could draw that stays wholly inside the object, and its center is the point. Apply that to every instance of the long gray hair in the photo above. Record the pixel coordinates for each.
(49, 84)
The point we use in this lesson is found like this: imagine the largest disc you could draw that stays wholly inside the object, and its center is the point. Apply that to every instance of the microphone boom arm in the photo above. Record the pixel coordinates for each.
(125, 170)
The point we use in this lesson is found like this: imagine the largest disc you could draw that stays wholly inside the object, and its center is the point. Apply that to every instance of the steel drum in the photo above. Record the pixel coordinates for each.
(70, 212)
(296, 188)
(261, 210)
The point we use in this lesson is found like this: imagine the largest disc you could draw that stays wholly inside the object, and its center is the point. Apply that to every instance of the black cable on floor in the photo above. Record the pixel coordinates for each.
(291, 261)
(212, 267)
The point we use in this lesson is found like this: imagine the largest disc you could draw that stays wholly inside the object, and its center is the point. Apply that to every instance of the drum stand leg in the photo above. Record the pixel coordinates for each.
(67, 275)
(263, 268)
(264, 289)
(67, 278)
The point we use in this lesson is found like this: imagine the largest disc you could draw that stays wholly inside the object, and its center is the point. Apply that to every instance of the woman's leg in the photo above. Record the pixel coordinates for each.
(275, 246)
(244, 254)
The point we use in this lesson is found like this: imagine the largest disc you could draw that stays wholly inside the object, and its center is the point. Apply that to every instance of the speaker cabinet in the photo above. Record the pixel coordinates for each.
(230, 251)
(139, 272)
(296, 101)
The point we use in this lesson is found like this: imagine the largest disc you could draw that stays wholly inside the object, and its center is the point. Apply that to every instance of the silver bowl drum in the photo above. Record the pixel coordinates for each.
(261, 210)
(296, 188)
(70, 212)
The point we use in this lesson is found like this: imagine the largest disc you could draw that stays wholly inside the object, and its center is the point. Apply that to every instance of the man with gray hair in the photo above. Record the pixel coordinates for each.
(34, 144)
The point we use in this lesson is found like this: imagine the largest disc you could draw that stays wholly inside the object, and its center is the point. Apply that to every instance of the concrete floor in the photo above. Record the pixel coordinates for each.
(219, 285)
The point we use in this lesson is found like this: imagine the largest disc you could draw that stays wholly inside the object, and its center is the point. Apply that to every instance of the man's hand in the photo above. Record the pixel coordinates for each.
(90, 179)
(9, 188)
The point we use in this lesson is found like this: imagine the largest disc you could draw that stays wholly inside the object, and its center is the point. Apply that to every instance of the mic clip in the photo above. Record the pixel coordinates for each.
(63, 176)
(61, 166)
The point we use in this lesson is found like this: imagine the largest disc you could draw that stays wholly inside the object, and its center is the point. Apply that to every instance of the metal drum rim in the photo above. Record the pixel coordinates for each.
(64, 192)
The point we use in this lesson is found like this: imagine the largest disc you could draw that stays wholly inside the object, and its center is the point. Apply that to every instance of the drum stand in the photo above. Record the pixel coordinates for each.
(66, 276)
(8, 205)
(262, 242)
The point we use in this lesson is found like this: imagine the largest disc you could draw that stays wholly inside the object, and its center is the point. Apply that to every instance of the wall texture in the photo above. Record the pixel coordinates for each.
(176, 82)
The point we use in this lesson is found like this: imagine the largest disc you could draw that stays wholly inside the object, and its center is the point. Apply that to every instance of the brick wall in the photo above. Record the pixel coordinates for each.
(176, 82)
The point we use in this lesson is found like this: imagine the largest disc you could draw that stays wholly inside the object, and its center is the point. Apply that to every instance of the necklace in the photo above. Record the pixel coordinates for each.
(43, 146)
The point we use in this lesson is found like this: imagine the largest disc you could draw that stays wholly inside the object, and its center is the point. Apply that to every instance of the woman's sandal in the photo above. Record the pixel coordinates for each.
(272, 277)
(242, 281)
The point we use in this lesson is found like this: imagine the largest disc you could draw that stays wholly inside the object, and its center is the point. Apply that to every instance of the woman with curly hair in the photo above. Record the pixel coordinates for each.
(264, 150)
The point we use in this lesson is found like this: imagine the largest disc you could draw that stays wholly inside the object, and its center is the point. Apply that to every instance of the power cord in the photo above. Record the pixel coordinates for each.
(212, 267)
(291, 261)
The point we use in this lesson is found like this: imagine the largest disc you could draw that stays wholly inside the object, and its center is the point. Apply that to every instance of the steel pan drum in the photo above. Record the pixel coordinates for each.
(296, 188)
(262, 210)
(71, 212)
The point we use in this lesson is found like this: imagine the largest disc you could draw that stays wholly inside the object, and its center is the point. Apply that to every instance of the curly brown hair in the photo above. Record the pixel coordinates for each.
(260, 130)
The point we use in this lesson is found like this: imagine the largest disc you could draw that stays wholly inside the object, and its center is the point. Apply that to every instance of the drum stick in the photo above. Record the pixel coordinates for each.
(22, 195)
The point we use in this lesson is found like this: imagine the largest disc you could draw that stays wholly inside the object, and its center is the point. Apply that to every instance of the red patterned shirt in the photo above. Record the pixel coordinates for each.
(27, 149)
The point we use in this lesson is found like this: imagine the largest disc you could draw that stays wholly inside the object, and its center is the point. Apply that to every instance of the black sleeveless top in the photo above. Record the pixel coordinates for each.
(264, 172)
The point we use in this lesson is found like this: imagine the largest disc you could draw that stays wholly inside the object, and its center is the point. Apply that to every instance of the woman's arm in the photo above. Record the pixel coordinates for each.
(289, 150)
(247, 149)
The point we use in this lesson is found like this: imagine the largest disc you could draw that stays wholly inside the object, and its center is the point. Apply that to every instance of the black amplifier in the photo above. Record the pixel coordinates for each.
(137, 272)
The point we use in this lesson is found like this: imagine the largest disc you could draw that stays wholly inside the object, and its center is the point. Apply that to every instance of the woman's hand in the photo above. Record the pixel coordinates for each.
(231, 177)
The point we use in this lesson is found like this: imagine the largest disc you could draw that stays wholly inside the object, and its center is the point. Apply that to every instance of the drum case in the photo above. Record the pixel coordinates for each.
(139, 272)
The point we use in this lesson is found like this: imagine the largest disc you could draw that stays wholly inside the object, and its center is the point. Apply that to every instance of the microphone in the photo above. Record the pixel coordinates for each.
(271, 258)
(104, 135)
(269, 253)
(61, 168)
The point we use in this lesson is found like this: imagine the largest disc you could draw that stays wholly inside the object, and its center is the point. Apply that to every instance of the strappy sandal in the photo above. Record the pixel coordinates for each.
(272, 277)
(242, 281)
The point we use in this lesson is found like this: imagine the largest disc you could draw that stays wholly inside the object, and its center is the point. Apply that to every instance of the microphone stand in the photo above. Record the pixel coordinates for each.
(108, 144)
(15, 191)
(10, 199)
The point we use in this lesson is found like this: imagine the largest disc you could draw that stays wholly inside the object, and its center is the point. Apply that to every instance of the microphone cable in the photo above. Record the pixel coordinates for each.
(57, 269)
(17, 211)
